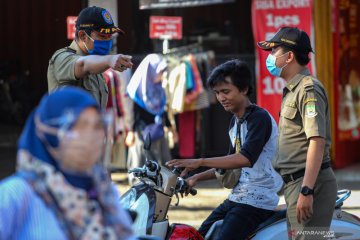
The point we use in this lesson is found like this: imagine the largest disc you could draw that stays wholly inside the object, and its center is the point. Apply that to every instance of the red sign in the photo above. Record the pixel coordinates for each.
(165, 27)
(267, 17)
(70, 23)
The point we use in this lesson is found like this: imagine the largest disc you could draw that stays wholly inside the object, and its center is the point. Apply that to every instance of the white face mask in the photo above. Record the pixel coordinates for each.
(271, 65)
(79, 151)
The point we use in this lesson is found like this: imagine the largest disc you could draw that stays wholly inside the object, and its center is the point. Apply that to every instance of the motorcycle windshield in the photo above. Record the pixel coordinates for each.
(141, 206)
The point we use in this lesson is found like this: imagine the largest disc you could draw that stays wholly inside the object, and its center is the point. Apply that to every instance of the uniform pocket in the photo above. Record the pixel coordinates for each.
(291, 123)
(289, 112)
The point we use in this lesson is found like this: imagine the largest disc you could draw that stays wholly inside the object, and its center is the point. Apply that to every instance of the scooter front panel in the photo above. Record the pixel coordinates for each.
(144, 205)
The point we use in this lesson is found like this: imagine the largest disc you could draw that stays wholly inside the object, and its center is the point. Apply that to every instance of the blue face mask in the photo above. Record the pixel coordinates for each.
(271, 65)
(102, 47)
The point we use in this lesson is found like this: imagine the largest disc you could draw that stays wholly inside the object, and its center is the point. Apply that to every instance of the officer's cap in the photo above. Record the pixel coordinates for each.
(290, 37)
(98, 19)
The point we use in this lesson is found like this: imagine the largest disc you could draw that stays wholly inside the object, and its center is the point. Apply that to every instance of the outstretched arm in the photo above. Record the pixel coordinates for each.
(94, 64)
(232, 161)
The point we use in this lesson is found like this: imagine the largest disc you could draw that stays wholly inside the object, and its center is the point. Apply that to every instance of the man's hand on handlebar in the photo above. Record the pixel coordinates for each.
(191, 182)
(188, 164)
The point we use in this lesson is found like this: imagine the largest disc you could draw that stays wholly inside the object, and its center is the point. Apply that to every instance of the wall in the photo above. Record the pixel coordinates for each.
(31, 31)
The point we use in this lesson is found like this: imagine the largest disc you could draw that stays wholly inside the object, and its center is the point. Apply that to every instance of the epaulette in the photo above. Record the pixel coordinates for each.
(308, 83)
(69, 49)
(63, 50)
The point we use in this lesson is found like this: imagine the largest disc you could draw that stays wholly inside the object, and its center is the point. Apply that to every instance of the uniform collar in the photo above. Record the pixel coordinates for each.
(74, 45)
(297, 78)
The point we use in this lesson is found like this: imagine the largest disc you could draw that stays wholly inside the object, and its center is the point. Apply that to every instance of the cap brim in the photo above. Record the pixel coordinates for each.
(267, 46)
(118, 30)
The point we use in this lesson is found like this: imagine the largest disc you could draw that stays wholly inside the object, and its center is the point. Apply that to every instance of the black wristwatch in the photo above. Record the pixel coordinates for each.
(306, 191)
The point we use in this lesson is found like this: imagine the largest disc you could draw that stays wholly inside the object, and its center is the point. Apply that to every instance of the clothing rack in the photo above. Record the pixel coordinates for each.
(184, 48)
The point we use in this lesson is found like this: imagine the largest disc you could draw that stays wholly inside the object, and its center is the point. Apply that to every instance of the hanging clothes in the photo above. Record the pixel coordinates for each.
(116, 81)
(187, 134)
(177, 88)
(149, 98)
(143, 88)
(187, 94)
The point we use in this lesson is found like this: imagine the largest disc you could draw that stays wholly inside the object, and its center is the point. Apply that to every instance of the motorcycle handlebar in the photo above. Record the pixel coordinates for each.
(182, 187)
(176, 171)
(152, 166)
(193, 191)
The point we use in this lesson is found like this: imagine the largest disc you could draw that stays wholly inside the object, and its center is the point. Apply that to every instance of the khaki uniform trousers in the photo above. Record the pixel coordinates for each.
(325, 193)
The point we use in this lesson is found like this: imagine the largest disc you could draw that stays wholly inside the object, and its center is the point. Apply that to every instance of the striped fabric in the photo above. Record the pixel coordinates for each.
(23, 215)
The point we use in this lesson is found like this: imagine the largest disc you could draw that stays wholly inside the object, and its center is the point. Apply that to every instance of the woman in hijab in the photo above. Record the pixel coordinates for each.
(61, 189)
(146, 91)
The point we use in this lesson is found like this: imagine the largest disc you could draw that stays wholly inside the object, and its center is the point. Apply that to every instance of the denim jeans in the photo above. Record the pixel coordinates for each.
(240, 220)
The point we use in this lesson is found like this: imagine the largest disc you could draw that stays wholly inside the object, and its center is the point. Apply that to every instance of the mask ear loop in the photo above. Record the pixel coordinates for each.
(285, 63)
(41, 129)
(87, 49)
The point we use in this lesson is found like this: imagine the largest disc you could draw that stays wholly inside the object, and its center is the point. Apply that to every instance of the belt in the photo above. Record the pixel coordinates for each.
(292, 177)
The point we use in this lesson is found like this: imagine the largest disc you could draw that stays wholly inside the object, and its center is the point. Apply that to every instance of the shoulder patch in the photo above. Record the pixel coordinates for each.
(310, 110)
(310, 100)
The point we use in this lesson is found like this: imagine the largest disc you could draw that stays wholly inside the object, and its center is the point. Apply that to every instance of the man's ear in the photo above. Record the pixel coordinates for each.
(291, 57)
(82, 35)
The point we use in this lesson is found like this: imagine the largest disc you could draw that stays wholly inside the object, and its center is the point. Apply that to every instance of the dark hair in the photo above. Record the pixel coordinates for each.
(237, 70)
(301, 57)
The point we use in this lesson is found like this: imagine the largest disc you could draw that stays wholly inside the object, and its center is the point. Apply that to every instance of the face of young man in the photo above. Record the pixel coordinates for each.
(230, 97)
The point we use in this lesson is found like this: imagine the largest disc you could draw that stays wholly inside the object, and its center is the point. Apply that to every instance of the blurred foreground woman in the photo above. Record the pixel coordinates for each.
(61, 189)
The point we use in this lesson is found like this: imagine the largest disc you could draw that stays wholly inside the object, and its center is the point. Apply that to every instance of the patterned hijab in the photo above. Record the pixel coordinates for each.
(81, 203)
(142, 89)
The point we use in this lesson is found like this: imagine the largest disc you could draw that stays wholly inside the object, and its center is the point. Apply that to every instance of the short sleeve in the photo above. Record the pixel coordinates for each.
(259, 127)
(64, 67)
(313, 109)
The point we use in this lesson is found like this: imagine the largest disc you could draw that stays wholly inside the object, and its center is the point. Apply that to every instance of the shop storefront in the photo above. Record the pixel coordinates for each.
(347, 81)
(223, 27)
(226, 27)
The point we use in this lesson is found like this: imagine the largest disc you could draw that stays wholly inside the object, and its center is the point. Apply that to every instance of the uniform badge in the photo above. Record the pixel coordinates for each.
(310, 110)
(107, 17)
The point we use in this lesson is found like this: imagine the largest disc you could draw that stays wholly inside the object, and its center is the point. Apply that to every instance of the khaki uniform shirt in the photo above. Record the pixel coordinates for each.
(61, 72)
(304, 114)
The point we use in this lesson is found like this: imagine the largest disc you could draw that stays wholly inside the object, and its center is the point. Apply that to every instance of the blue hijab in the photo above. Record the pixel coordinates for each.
(59, 110)
(142, 89)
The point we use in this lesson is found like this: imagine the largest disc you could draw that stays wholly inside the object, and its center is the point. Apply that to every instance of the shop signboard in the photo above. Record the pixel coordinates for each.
(267, 17)
(165, 27)
(153, 4)
(70, 25)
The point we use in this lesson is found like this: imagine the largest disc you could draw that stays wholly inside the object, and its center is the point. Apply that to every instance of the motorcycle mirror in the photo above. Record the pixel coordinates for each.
(147, 142)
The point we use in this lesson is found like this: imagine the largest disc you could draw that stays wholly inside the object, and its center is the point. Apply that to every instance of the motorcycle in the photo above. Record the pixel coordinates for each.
(149, 200)
(151, 197)
(344, 225)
